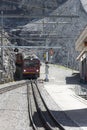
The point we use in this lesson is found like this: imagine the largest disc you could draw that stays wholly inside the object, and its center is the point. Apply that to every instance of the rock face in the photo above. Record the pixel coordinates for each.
(35, 9)
(84, 4)
(59, 24)
(60, 29)
(7, 58)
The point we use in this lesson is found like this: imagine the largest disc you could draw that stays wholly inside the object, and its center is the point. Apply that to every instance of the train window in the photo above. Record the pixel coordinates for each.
(29, 63)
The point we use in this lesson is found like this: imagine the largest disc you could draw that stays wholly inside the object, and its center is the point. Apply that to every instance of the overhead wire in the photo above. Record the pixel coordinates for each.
(48, 35)
(34, 16)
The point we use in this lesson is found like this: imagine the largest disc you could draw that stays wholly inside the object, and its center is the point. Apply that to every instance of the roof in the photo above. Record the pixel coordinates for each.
(81, 54)
(79, 45)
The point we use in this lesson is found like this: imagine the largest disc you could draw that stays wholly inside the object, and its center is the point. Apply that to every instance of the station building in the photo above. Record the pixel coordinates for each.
(81, 46)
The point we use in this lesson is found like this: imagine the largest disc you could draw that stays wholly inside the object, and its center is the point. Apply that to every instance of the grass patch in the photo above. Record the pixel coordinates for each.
(63, 67)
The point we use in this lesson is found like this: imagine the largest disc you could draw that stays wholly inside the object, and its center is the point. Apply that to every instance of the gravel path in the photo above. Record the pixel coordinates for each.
(14, 110)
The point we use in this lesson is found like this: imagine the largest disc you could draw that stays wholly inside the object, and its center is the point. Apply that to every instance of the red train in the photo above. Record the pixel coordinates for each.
(27, 67)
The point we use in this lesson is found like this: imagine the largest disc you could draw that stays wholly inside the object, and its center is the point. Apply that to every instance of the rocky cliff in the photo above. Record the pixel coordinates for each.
(53, 23)
(60, 29)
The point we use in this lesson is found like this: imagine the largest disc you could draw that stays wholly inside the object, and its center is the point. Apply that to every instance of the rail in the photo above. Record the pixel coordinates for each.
(35, 101)
(12, 85)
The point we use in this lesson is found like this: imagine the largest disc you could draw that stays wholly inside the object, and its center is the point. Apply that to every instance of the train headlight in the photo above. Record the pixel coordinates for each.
(37, 70)
(24, 70)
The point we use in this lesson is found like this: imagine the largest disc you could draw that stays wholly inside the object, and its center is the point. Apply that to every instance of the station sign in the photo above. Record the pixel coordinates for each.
(51, 52)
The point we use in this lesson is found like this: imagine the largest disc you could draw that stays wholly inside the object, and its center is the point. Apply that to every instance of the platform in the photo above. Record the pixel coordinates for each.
(61, 86)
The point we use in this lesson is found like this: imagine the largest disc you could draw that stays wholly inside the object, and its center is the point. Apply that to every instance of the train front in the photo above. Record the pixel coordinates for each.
(31, 68)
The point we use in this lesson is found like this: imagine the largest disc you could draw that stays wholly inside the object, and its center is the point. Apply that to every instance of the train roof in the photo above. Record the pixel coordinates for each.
(31, 57)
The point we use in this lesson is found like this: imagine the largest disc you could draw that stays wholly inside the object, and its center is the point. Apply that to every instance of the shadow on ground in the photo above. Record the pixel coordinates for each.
(63, 117)
(73, 79)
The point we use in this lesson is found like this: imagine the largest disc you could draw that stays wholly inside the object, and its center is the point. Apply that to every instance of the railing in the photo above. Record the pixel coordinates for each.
(81, 91)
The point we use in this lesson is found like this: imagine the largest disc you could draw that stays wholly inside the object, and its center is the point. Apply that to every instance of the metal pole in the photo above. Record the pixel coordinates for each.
(2, 44)
(46, 67)
(46, 62)
(67, 59)
(47, 56)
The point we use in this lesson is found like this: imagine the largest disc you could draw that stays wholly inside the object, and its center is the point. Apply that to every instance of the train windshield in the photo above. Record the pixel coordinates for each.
(31, 63)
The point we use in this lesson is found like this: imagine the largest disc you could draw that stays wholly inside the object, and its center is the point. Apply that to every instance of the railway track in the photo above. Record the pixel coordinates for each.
(40, 116)
(6, 88)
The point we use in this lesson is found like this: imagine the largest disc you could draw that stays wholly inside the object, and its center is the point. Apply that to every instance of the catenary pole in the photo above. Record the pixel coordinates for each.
(2, 45)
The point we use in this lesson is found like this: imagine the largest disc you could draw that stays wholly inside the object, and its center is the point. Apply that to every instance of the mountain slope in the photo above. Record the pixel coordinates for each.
(61, 29)
(34, 9)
